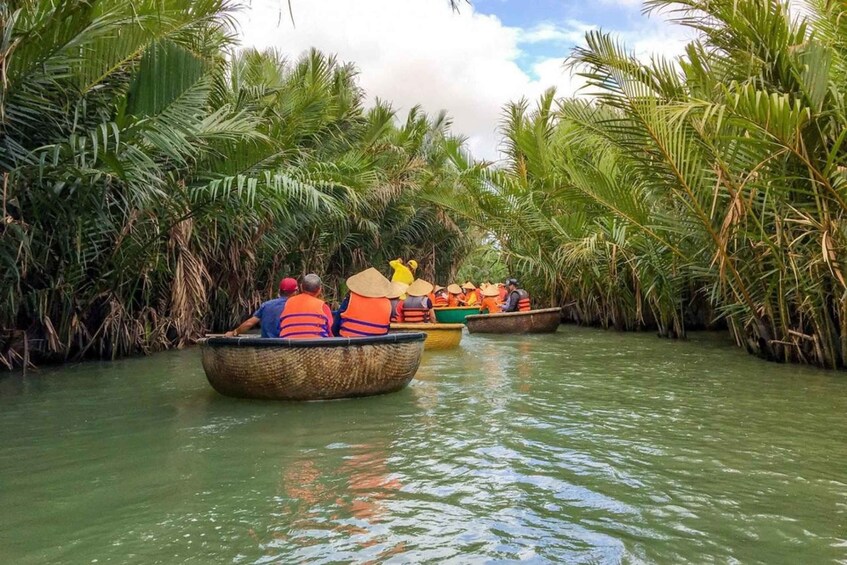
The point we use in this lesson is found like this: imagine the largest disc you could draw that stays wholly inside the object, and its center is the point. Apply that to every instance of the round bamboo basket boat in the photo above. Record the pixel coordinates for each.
(311, 369)
(454, 314)
(532, 322)
(438, 336)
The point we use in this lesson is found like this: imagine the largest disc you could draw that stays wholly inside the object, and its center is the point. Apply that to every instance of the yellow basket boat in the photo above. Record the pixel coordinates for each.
(438, 336)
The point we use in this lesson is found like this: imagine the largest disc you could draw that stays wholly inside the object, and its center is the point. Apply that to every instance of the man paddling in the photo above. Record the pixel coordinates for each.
(268, 313)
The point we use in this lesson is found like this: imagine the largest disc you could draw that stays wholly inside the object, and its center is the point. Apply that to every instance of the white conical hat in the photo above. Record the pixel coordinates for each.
(398, 289)
(491, 290)
(419, 288)
(369, 283)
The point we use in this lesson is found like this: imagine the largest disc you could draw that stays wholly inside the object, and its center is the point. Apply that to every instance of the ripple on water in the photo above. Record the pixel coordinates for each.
(584, 446)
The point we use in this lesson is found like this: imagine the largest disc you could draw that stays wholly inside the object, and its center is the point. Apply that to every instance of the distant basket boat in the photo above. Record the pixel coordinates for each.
(311, 369)
(531, 322)
(438, 336)
(454, 314)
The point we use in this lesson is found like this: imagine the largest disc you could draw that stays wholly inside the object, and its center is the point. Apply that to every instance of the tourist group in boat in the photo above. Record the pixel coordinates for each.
(373, 303)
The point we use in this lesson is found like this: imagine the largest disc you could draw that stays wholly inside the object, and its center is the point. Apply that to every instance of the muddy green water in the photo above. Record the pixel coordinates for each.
(583, 446)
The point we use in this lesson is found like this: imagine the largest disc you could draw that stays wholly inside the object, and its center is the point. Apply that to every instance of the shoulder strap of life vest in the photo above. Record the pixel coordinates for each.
(365, 316)
(303, 317)
(415, 310)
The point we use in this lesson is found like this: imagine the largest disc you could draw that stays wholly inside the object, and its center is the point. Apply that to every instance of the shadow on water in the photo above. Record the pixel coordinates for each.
(584, 446)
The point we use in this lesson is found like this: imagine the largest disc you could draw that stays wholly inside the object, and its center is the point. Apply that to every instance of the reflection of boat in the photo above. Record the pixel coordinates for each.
(454, 314)
(531, 322)
(311, 369)
(438, 336)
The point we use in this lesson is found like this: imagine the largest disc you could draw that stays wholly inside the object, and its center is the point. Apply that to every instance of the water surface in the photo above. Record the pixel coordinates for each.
(583, 446)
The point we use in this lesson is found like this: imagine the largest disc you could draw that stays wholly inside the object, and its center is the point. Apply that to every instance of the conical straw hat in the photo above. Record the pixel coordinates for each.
(491, 290)
(454, 289)
(468, 286)
(437, 288)
(370, 284)
(398, 289)
(419, 288)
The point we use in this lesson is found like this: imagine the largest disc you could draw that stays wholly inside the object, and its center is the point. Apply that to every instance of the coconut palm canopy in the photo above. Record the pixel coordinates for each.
(707, 190)
(157, 183)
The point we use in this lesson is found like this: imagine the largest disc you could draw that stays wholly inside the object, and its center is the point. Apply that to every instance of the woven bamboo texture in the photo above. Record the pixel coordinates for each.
(438, 336)
(532, 322)
(281, 369)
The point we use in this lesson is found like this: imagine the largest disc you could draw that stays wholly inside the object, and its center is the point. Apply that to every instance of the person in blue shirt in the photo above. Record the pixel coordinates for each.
(269, 312)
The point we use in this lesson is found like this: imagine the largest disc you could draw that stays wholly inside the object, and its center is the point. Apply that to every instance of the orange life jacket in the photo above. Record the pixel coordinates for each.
(415, 310)
(440, 300)
(453, 299)
(490, 304)
(365, 316)
(305, 317)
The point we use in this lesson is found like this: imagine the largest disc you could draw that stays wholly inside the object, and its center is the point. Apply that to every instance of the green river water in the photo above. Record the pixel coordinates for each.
(580, 447)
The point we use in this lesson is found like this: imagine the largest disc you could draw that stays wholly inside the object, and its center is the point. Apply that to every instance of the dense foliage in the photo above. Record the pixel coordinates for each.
(158, 183)
(708, 189)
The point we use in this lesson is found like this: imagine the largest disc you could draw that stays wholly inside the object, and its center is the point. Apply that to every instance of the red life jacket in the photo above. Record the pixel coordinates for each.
(365, 316)
(440, 300)
(395, 313)
(416, 310)
(523, 302)
(305, 317)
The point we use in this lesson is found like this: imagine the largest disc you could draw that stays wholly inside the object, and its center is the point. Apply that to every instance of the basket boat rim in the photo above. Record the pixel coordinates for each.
(427, 326)
(513, 314)
(322, 343)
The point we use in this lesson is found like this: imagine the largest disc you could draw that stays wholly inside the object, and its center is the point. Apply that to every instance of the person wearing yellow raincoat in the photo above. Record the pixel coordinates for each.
(403, 272)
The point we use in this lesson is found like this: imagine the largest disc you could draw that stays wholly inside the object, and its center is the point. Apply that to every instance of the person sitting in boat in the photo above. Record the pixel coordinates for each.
(501, 288)
(269, 312)
(396, 297)
(367, 309)
(440, 297)
(403, 272)
(490, 300)
(472, 296)
(455, 296)
(305, 315)
(518, 298)
(417, 308)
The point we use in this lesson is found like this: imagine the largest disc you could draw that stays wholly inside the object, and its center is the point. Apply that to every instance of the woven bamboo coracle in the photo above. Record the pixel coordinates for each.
(532, 322)
(311, 369)
(438, 336)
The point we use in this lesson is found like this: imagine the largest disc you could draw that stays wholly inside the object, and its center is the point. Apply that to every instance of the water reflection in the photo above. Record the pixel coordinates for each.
(580, 447)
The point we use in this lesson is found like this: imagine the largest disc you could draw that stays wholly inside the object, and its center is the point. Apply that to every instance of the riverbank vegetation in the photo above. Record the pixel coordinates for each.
(681, 194)
(158, 183)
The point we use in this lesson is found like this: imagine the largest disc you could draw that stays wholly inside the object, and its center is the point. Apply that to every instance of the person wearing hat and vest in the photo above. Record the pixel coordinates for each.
(269, 312)
(518, 299)
(367, 310)
(305, 315)
(403, 272)
(417, 308)
(455, 296)
(396, 297)
(439, 297)
(472, 295)
(501, 288)
(490, 300)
